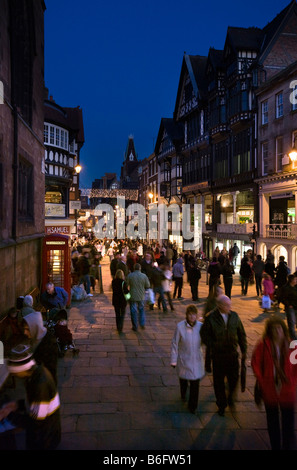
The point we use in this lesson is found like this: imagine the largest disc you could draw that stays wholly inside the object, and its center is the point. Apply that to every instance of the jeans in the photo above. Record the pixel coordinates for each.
(86, 281)
(161, 299)
(137, 312)
(291, 320)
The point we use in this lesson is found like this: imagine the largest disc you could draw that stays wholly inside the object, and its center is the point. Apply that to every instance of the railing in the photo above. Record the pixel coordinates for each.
(236, 228)
(281, 231)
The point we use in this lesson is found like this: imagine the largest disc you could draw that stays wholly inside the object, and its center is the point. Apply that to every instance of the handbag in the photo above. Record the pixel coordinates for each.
(257, 394)
(128, 295)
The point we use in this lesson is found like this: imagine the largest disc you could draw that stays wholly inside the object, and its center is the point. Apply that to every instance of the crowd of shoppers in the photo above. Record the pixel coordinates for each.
(215, 344)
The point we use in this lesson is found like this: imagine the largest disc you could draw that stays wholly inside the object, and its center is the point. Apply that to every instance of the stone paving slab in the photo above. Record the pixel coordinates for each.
(122, 394)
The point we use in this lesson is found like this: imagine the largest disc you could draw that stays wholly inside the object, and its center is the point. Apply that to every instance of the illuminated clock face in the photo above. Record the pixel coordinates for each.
(131, 157)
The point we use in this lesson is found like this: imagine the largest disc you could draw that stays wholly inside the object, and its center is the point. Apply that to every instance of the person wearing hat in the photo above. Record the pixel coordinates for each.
(41, 409)
(43, 342)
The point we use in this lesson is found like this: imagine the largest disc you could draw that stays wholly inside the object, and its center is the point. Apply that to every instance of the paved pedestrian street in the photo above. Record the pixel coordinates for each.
(121, 393)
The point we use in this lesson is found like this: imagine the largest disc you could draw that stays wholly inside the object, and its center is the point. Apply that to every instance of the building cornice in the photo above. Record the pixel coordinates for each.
(276, 177)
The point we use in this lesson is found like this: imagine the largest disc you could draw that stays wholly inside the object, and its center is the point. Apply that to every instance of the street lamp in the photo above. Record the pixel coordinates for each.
(78, 168)
(293, 154)
(151, 196)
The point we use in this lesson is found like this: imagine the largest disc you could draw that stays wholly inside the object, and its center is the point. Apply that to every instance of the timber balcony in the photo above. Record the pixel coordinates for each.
(287, 231)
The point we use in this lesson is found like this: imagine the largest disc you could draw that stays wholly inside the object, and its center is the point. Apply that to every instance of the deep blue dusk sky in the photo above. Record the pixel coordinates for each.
(120, 61)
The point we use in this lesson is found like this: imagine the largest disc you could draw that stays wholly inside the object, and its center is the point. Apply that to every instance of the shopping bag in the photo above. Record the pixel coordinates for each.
(266, 301)
(150, 296)
(126, 295)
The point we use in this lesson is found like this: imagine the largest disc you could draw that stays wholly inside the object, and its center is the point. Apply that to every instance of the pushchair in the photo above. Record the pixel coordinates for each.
(58, 325)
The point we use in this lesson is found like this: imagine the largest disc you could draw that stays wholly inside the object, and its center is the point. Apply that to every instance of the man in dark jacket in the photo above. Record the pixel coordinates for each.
(258, 267)
(223, 334)
(147, 269)
(54, 298)
(281, 275)
(245, 275)
(194, 274)
(289, 299)
(214, 271)
(157, 278)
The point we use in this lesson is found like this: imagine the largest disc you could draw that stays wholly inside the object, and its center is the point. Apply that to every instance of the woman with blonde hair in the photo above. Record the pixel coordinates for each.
(276, 375)
(119, 288)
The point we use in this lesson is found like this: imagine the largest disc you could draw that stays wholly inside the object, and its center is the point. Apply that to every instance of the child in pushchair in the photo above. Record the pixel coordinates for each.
(63, 334)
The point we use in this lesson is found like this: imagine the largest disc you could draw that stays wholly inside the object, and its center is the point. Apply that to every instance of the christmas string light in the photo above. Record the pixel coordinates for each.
(129, 194)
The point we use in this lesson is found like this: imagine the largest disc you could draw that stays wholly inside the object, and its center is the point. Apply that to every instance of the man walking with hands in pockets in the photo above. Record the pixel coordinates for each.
(223, 334)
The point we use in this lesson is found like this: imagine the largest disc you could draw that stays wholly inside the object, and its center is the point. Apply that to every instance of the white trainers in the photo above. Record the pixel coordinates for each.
(90, 295)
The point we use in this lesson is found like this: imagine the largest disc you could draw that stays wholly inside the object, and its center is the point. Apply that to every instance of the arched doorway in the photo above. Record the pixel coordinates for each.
(294, 258)
(277, 251)
(262, 250)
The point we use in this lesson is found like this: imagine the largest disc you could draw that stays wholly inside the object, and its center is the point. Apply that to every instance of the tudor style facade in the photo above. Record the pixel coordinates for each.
(217, 109)
(169, 160)
(63, 140)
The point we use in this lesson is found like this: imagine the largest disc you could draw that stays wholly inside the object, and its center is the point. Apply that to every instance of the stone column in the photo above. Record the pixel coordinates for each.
(234, 207)
(263, 214)
(295, 207)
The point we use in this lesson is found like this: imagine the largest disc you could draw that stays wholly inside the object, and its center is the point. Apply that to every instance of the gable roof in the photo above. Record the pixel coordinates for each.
(271, 30)
(174, 130)
(215, 57)
(70, 118)
(195, 66)
(244, 38)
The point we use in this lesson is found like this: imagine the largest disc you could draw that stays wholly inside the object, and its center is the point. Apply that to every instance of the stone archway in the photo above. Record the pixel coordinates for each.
(262, 250)
(279, 250)
(294, 258)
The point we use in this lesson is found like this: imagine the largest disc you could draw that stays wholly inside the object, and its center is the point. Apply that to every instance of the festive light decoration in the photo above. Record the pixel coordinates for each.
(129, 194)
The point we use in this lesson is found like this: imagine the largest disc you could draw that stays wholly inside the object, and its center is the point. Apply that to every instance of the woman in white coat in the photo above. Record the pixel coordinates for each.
(187, 356)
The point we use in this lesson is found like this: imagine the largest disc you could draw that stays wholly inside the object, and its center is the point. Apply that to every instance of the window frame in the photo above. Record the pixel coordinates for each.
(279, 105)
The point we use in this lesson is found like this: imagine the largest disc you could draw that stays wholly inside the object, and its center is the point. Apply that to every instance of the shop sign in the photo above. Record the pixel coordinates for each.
(60, 230)
(74, 206)
(54, 210)
(282, 195)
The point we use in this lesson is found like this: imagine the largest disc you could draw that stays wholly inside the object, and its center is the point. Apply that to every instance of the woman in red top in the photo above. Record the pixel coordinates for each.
(277, 377)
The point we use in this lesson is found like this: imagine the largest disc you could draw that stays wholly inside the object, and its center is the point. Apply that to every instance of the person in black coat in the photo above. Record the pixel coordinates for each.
(245, 275)
(194, 274)
(227, 272)
(214, 271)
(119, 287)
(270, 268)
(114, 264)
(281, 274)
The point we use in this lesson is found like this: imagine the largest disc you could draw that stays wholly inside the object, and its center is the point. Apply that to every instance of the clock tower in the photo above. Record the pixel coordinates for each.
(129, 170)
